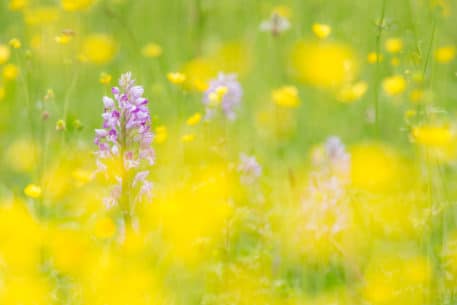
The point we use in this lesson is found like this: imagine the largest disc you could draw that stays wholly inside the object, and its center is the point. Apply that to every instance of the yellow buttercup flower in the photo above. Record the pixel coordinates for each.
(374, 166)
(15, 43)
(188, 138)
(194, 119)
(396, 280)
(433, 135)
(321, 31)
(104, 227)
(105, 78)
(449, 255)
(416, 95)
(17, 5)
(323, 64)
(36, 42)
(286, 97)
(394, 85)
(233, 57)
(395, 62)
(81, 176)
(39, 290)
(4, 54)
(10, 72)
(99, 48)
(152, 50)
(409, 114)
(180, 212)
(61, 125)
(63, 39)
(373, 57)
(161, 134)
(199, 71)
(352, 92)
(76, 5)
(445, 54)
(215, 98)
(2, 93)
(394, 45)
(32, 191)
(176, 78)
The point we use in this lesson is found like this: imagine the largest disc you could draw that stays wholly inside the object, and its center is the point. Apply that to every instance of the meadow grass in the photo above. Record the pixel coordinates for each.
(250, 152)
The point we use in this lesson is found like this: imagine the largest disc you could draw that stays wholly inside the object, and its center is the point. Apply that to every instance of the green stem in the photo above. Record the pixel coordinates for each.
(430, 46)
(378, 66)
(124, 199)
(70, 90)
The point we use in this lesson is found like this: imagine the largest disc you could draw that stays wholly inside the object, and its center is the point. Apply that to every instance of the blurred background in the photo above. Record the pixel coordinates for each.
(334, 182)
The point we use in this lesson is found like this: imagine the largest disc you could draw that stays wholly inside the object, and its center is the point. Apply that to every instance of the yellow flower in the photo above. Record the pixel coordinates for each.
(416, 95)
(63, 39)
(41, 15)
(99, 48)
(394, 45)
(433, 135)
(49, 95)
(321, 31)
(105, 78)
(374, 166)
(373, 57)
(104, 227)
(152, 50)
(188, 137)
(76, 5)
(68, 249)
(161, 134)
(4, 54)
(323, 64)
(215, 98)
(396, 280)
(394, 85)
(286, 97)
(176, 78)
(2, 93)
(445, 54)
(179, 212)
(60, 125)
(36, 42)
(395, 62)
(10, 72)
(15, 43)
(81, 176)
(17, 5)
(32, 191)
(194, 119)
(39, 289)
(352, 92)
(409, 114)
(200, 71)
(449, 255)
